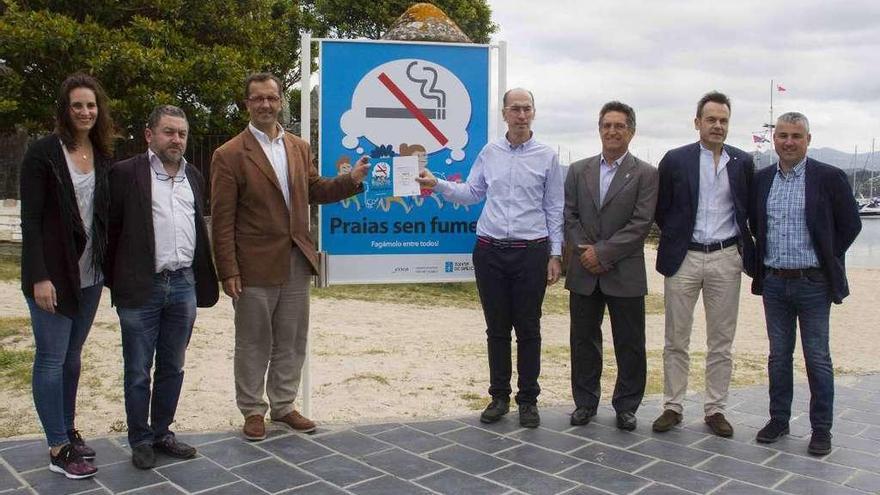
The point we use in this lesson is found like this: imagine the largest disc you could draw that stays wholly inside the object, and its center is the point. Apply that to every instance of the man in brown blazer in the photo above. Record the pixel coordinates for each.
(609, 208)
(262, 183)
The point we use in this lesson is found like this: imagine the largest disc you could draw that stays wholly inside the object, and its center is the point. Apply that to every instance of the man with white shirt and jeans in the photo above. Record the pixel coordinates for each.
(159, 269)
(704, 245)
(518, 249)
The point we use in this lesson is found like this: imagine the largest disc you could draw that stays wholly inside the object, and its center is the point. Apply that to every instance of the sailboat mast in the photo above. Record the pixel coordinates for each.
(771, 107)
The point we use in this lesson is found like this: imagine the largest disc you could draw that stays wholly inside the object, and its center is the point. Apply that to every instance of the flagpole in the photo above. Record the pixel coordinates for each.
(771, 107)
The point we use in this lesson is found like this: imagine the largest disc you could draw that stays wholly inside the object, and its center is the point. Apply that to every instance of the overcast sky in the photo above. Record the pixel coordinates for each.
(660, 57)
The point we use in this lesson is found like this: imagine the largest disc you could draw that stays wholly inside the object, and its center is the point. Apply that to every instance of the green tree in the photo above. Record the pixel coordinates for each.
(349, 19)
(191, 53)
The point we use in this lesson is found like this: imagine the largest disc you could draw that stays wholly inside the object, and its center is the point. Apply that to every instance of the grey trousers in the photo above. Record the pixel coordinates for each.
(271, 331)
(718, 276)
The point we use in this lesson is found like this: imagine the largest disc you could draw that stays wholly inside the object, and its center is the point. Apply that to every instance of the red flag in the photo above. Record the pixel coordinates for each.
(780, 88)
(759, 139)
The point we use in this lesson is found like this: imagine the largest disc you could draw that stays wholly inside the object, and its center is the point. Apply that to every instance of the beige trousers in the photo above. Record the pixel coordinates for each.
(271, 331)
(718, 275)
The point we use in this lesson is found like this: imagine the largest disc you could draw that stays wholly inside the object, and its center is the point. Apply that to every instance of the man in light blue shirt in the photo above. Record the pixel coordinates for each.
(518, 249)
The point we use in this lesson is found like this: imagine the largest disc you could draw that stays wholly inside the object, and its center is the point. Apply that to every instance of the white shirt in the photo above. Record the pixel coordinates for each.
(84, 188)
(523, 188)
(274, 150)
(716, 215)
(174, 216)
(607, 171)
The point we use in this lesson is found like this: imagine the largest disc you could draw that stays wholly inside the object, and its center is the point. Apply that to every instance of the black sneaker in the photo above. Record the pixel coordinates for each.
(497, 408)
(582, 416)
(626, 421)
(143, 456)
(820, 443)
(772, 431)
(528, 416)
(71, 464)
(79, 445)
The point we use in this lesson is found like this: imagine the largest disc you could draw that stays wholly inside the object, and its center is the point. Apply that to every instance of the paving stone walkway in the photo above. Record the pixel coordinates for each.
(463, 456)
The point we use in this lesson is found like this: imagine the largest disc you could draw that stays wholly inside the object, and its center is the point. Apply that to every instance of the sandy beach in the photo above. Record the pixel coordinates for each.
(375, 361)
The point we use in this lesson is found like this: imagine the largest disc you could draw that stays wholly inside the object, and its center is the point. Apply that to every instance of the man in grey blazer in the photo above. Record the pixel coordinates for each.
(609, 208)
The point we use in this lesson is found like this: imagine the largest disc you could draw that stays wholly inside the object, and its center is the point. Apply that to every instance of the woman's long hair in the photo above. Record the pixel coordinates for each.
(102, 133)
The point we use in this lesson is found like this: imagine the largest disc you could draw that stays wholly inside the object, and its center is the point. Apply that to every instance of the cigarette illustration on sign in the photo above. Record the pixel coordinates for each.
(409, 101)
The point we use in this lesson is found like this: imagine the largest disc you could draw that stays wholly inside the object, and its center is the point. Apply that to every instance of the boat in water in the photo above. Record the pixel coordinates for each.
(870, 208)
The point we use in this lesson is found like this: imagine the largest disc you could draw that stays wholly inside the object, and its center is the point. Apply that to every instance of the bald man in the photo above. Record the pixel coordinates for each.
(518, 249)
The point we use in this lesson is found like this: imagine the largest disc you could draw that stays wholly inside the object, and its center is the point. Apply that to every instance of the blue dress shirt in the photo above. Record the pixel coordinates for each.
(523, 189)
(788, 239)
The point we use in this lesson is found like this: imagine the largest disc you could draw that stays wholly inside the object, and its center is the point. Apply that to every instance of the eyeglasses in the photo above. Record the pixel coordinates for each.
(607, 126)
(517, 109)
(175, 179)
(260, 99)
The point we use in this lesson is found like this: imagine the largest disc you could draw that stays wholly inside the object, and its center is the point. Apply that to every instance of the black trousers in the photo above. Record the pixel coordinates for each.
(628, 330)
(511, 283)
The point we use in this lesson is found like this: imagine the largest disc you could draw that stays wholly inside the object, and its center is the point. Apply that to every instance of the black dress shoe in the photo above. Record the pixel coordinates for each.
(528, 416)
(172, 447)
(582, 416)
(626, 420)
(143, 456)
(497, 408)
(820, 443)
(772, 431)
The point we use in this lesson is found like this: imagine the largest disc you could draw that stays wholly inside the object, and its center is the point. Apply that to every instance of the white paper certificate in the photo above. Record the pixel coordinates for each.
(404, 171)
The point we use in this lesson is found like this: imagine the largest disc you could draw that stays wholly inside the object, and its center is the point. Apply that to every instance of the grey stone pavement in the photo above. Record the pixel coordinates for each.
(462, 456)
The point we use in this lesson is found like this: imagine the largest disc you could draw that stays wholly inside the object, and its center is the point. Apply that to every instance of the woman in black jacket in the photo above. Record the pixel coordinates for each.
(64, 208)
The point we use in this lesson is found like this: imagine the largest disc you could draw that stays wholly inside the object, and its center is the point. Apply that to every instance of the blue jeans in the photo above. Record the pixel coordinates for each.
(59, 341)
(161, 327)
(807, 302)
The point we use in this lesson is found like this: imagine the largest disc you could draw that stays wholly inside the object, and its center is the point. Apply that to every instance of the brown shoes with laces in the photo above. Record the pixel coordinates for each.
(297, 422)
(719, 425)
(254, 427)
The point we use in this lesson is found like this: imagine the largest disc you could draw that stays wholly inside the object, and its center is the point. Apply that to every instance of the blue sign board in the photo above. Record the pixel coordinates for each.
(391, 100)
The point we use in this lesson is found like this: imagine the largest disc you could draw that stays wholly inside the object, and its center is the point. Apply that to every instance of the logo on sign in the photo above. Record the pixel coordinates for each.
(450, 267)
(410, 101)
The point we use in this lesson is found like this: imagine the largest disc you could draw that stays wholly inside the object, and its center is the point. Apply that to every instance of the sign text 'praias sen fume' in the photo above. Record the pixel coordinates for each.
(404, 105)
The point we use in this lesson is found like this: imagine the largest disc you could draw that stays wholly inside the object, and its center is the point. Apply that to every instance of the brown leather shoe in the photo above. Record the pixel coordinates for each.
(666, 421)
(719, 425)
(296, 421)
(254, 427)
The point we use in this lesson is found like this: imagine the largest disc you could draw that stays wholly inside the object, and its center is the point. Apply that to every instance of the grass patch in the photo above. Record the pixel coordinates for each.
(368, 377)
(455, 295)
(475, 402)
(15, 364)
(10, 261)
(461, 295)
(15, 367)
(14, 327)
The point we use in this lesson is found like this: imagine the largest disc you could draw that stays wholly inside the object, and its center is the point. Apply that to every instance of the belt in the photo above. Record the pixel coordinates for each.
(715, 246)
(170, 273)
(509, 243)
(795, 272)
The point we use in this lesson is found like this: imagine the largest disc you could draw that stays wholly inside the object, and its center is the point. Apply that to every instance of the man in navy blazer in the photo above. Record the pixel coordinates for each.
(804, 218)
(703, 218)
